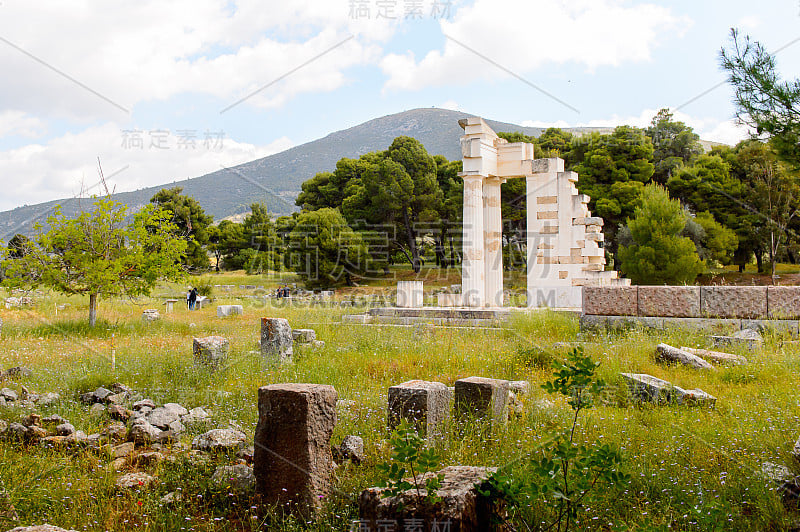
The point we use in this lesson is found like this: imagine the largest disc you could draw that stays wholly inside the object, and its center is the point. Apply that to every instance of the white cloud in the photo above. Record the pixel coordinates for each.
(724, 131)
(131, 52)
(19, 123)
(66, 165)
(452, 105)
(523, 35)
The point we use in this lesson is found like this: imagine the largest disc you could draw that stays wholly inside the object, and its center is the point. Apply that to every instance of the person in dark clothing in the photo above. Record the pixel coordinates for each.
(193, 299)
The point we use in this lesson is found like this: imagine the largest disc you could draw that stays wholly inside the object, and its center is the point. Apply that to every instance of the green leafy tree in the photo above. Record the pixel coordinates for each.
(226, 242)
(192, 223)
(98, 255)
(773, 195)
(613, 170)
(450, 209)
(713, 241)
(400, 192)
(18, 246)
(659, 254)
(766, 103)
(325, 252)
(411, 467)
(565, 473)
(674, 145)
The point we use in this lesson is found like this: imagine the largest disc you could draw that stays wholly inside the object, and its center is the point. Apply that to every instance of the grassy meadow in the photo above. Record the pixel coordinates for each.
(691, 468)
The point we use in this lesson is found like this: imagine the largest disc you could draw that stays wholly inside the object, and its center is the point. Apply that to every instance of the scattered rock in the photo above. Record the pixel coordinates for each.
(32, 420)
(16, 431)
(134, 481)
(97, 409)
(351, 448)
(219, 440)
(462, 506)
(18, 371)
(101, 393)
(176, 428)
(178, 409)
(120, 413)
(246, 454)
(238, 478)
(171, 498)
(138, 405)
(304, 336)
(161, 417)
(668, 353)
(150, 315)
(717, 357)
(223, 311)
(54, 419)
(776, 472)
(117, 398)
(8, 394)
(117, 431)
(65, 429)
(149, 459)
(211, 351)
(118, 463)
(195, 415)
(645, 387)
(47, 399)
(747, 338)
(143, 433)
(40, 528)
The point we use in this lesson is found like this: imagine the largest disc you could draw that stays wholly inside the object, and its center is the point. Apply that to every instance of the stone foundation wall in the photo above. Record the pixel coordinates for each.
(731, 302)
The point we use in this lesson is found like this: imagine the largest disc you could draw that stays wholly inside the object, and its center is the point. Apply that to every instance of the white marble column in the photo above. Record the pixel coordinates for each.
(532, 238)
(472, 264)
(493, 242)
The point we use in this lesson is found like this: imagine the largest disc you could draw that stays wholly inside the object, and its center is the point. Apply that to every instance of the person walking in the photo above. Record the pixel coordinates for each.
(189, 298)
(193, 299)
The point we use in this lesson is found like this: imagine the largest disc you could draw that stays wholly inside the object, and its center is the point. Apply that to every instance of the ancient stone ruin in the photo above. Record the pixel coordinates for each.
(564, 241)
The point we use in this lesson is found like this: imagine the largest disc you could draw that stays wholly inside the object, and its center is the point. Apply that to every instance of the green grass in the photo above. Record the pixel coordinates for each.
(691, 468)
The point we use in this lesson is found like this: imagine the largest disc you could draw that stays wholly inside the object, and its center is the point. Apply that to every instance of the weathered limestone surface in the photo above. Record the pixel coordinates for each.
(150, 315)
(673, 354)
(409, 294)
(717, 357)
(461, 509)
(304, 336)
(747, 338)
(40, 528)
(645, 387)
(292, 461)
(669, 301)
(482, 398)
(211, 351)
(224, 311)
(608, 301)
(276, 338)
(423, 403)
(783, 302)
(733, 301)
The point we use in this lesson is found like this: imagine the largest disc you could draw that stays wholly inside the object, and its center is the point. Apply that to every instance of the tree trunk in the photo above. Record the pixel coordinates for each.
(759, 262)
(92, 309)
(412, 242)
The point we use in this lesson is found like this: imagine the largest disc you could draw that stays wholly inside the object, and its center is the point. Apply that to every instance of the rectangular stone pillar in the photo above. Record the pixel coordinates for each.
(292, 462)
(493, 242)
(422, 403)
(276, 339)
(409, 294)
(472, 264)
(480, 397)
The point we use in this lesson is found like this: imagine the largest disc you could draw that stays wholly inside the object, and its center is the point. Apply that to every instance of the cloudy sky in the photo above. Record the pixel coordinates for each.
(164, 91)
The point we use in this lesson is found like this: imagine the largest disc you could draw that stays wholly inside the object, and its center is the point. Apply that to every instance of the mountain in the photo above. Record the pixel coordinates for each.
(276, 180)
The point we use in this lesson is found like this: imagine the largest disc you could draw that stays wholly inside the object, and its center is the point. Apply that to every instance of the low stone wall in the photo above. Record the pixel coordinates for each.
(729, 302)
